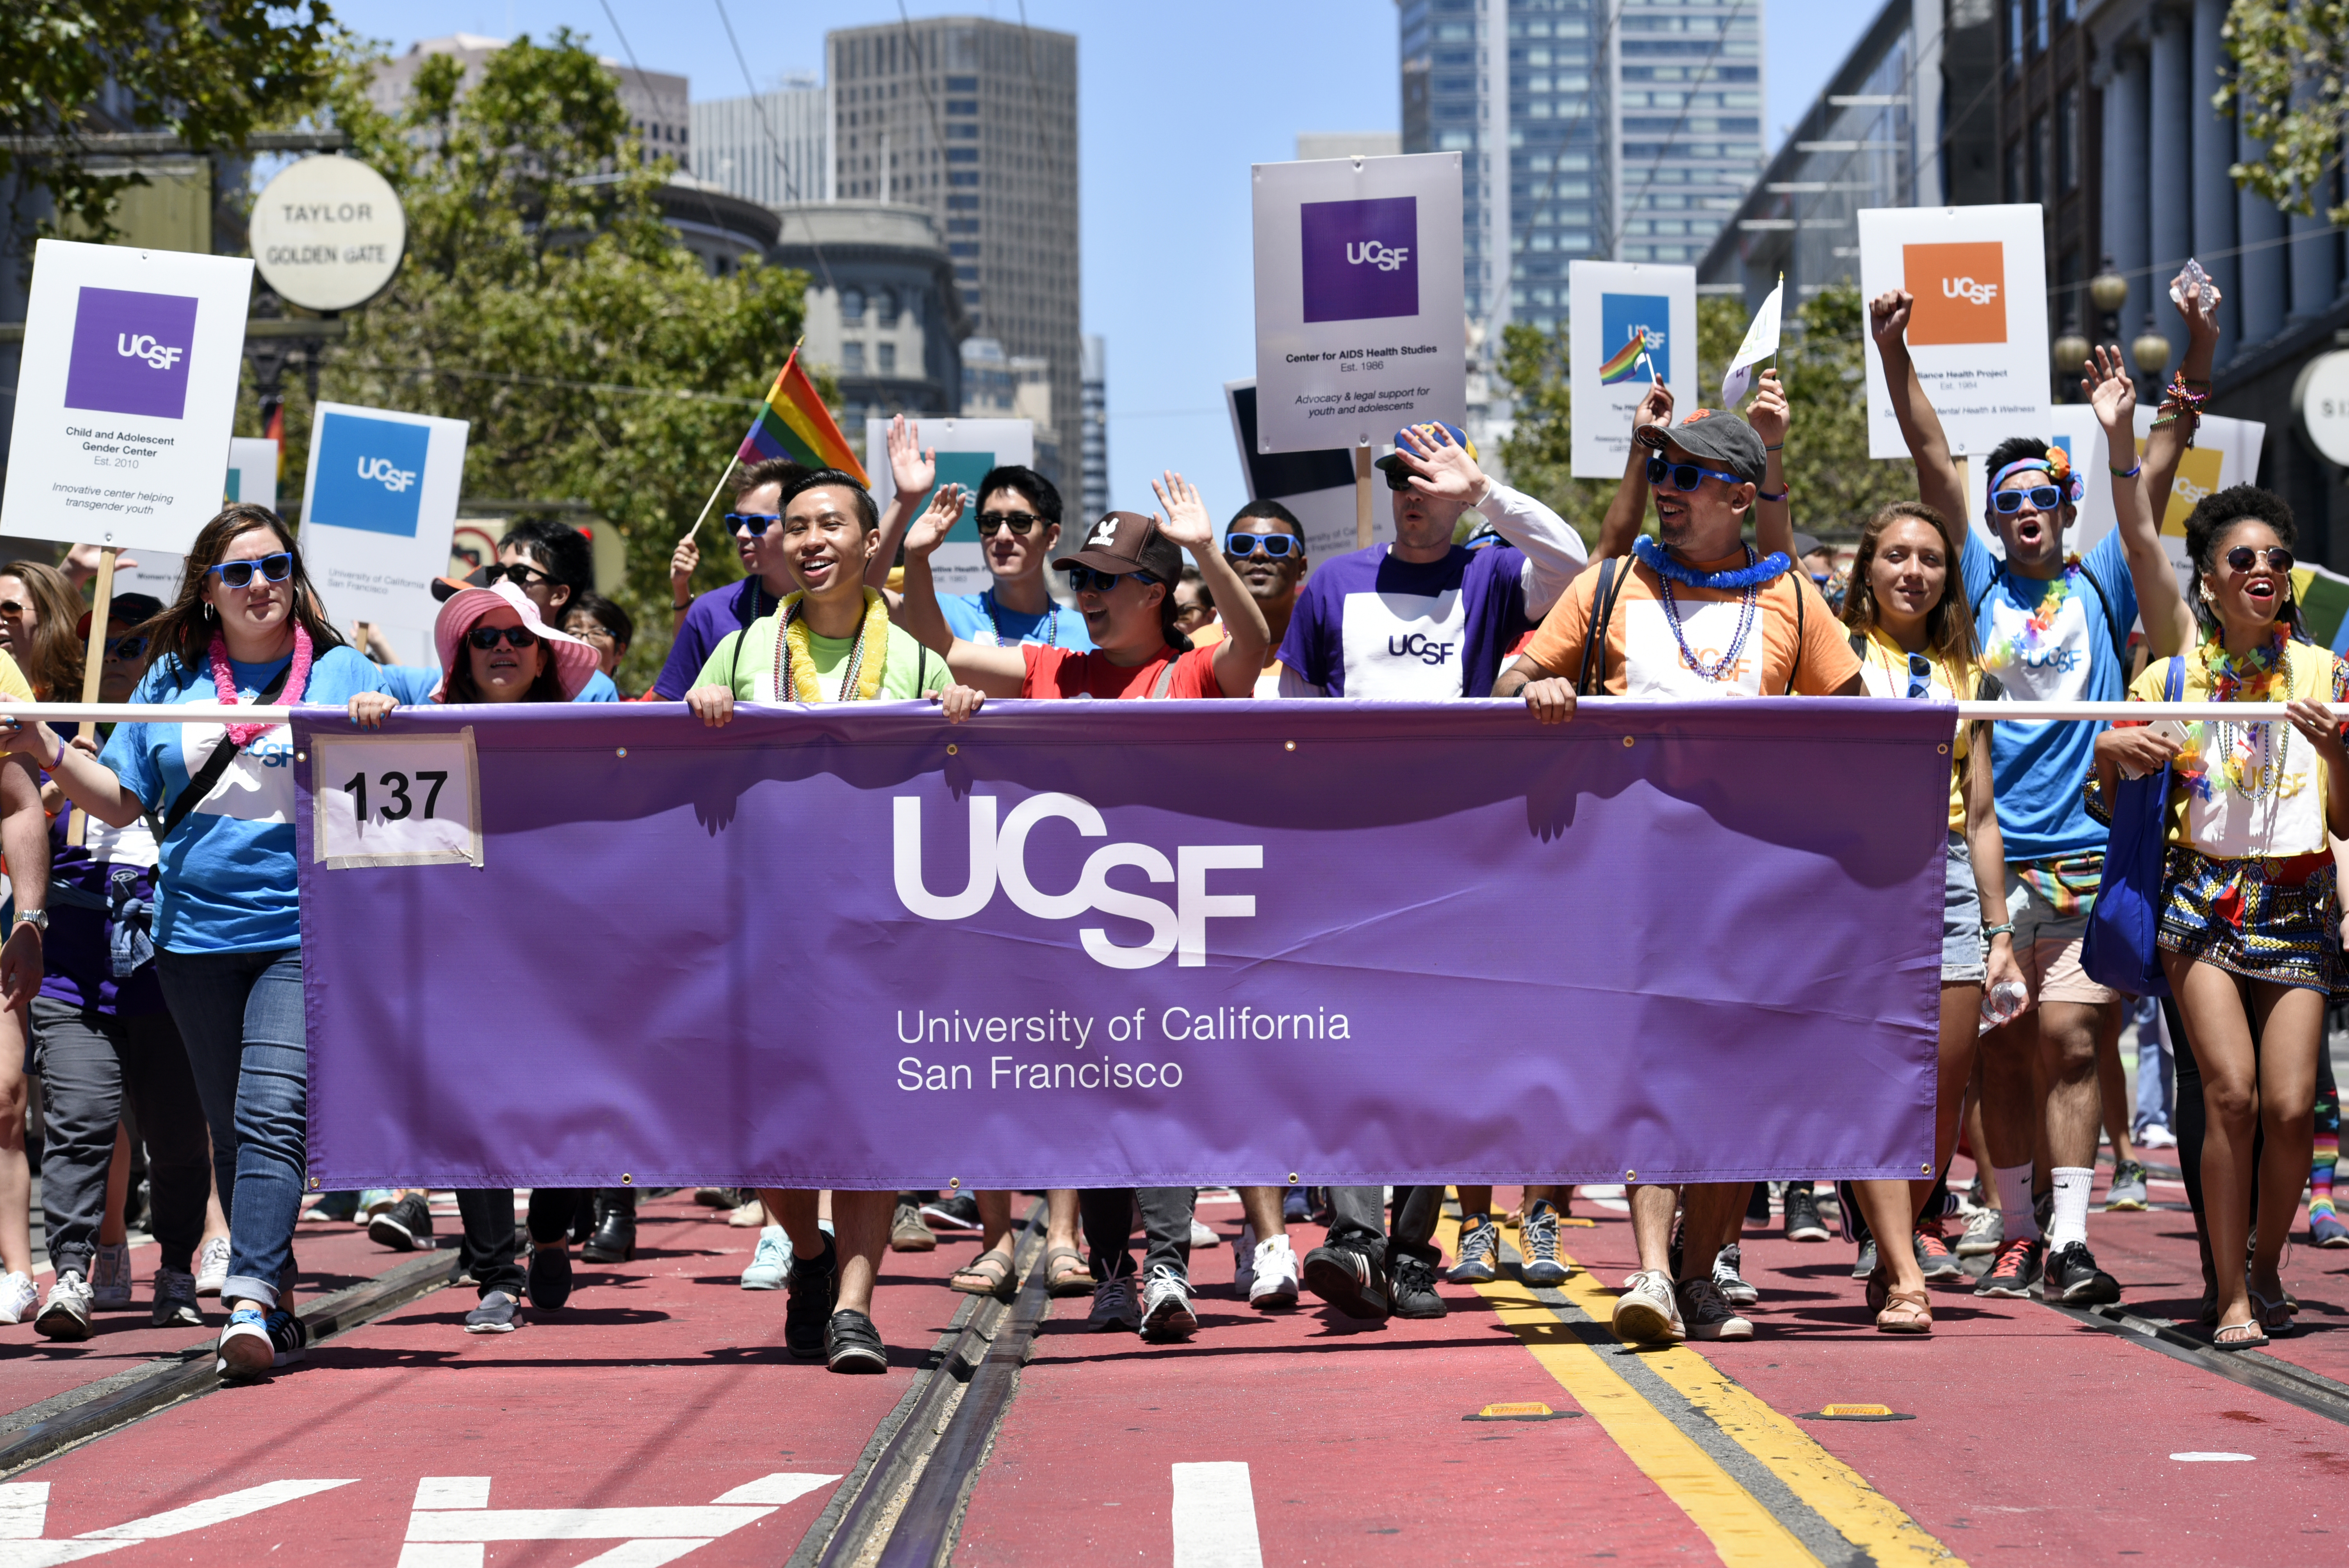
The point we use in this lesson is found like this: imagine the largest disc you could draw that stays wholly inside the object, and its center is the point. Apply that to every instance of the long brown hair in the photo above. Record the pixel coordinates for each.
(1949, 622)
(185, 630)
(52, 657)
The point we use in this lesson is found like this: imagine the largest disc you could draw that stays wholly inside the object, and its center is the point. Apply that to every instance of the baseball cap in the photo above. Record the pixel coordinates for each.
(123, 612)
(1122, 541)
(1717, 440)
(1806, 545)
(1392, 462)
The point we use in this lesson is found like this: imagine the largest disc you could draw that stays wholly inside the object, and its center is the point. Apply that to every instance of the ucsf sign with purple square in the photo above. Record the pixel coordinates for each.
(1361, 258)
(131, 352)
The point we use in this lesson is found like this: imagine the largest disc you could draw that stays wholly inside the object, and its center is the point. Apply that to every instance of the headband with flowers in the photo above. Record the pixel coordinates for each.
(2056, 465)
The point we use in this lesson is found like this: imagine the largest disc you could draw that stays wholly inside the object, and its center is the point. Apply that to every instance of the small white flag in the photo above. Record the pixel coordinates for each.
(1761, 343)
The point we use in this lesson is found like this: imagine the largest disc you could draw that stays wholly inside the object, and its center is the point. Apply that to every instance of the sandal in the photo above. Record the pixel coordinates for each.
(2247, 1336)
(990, 1274)
(2274, 1317)
(1880, 1291)
(1076, 1279)
(1904, 1312)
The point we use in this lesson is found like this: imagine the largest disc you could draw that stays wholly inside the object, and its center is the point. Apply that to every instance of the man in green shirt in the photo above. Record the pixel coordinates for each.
(832, 641)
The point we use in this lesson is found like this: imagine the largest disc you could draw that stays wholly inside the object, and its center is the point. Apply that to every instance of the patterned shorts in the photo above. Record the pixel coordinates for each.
(2264, 920)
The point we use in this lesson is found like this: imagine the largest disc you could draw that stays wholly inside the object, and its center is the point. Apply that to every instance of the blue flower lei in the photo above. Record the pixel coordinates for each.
(1652, 555)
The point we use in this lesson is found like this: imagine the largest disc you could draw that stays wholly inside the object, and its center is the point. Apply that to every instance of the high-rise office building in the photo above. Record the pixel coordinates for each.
(976, 121)
(1615, 129)
(658, 106)
(774, 148)
(1093, 427)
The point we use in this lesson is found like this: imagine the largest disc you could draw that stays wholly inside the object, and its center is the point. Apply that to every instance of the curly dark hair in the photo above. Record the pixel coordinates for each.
(2209, 525)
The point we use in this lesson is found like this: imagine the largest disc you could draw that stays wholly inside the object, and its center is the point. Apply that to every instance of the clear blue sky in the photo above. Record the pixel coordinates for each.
(1174, 103)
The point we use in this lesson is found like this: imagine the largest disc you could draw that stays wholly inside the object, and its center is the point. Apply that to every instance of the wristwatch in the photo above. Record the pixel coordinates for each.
(38, 919)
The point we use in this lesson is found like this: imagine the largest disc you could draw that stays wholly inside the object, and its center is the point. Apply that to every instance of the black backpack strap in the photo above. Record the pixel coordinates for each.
(1611, 574)
(1795, 669)
(200, 784)
(1859, 644)
(1990, 688)
(2112, 623)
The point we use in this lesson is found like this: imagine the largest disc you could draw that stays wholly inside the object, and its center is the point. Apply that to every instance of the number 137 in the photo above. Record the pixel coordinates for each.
(402, 804)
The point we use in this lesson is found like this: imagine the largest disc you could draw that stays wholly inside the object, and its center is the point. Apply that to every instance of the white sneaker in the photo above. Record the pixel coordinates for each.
(1166, 1306)
(110, 1277)
(1274, 1267)
(2156, 1137)
(1647, 1313)
(19, 1295)
(1243, 1263)
(1708, 1314)
(770, 1262)
(1204, 1236)
(66, 1313)
(1733, 1288)
(212, 1266)
(1114, 1306)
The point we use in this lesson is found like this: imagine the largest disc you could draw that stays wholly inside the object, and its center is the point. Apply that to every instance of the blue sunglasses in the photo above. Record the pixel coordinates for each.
(1686, 476)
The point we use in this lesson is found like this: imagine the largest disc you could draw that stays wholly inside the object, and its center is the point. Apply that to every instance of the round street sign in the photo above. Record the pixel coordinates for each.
(2320, 396)
(327, 233)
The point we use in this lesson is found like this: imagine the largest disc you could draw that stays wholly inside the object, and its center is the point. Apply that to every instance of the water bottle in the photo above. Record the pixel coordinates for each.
(2003, 1002)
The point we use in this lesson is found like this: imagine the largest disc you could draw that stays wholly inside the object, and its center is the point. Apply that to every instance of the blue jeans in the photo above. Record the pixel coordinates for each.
(2153, 1070)
(241, 1016)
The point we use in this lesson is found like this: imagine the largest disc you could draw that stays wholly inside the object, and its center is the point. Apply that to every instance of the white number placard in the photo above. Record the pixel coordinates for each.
(396, 799)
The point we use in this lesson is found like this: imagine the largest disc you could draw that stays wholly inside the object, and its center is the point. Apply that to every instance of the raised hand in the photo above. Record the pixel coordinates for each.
(929, 529)
(1446, 469)
(1186, 519)
(1655, 407)
(914, 470)
(2112, 393)
(681, 563)
(1769, 413)
(2200, 322)
(1888, 319)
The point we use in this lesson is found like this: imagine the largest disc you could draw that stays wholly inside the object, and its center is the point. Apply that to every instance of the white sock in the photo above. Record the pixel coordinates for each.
(2071, 1219)
(2022, 1221)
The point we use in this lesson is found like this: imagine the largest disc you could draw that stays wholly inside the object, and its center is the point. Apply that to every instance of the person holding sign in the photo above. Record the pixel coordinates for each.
(1699, 616)
(245, 628)
(496, 649)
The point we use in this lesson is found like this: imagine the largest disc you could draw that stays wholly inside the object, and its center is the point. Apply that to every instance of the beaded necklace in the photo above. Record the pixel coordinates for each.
(796, 677)
(1051, 622)
(1749, 593)
(2252, 758)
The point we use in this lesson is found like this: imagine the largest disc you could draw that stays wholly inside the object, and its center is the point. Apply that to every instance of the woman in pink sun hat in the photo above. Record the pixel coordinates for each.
(494, 649)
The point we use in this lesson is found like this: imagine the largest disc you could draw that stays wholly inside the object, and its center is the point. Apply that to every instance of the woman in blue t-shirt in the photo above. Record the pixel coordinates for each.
(244, 629)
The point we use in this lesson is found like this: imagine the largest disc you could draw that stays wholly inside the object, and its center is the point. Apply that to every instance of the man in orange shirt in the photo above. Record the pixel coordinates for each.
(1696, 616)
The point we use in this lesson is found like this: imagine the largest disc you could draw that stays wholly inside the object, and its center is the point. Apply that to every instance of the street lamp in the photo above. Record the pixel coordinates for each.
(2151, 351)
(2109, 291)
(2070, 352)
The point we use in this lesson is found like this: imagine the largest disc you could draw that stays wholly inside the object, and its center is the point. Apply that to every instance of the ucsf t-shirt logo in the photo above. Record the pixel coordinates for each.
(257, 785)
(1653, 665)
(1960, 290)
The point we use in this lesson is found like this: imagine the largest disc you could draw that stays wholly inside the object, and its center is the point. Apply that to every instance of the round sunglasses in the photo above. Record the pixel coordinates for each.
(487, 637)
(2244, 558)
(274, 568)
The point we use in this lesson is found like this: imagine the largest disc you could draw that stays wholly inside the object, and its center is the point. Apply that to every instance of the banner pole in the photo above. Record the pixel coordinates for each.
(1362, 496)
(93, 661)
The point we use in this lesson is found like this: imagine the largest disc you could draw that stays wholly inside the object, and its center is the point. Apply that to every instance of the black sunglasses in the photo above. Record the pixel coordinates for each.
(274, 568)
(2042, 498)
(1686, 476)
(520, 575)
(126, 647)
(487, 637)
(754, 521)
(1240, 546)
(2244, 558)
(992, 523)
(1083, 577)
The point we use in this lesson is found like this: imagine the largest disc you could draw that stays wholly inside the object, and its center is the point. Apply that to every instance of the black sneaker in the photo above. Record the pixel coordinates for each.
(1410, 1280)
(812, 1289)
(1758, 1205)
(496, 1315)
(1866, 1266)
(405, 1227)
(851, 1344)
(1803, 1214)
(1349, 1278)
(2072, 1278)
(2015, 1270)
(959, 1212)
(549, 1276)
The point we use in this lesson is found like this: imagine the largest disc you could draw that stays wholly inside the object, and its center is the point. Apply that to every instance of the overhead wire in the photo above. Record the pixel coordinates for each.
(791, 184)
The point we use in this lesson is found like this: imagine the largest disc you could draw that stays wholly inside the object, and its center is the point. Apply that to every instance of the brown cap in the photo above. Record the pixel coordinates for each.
(1122, 541)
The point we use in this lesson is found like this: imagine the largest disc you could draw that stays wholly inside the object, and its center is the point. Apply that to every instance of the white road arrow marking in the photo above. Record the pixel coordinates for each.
(21, 1552)
(451, 1523)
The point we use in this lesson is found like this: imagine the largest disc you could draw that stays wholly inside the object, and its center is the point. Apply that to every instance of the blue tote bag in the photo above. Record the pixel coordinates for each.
(2120, 950)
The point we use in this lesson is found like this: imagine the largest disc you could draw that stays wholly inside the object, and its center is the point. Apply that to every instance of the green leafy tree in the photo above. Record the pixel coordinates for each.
(544, 300)
(2292, 61)
(210, 72)
(1835, 484)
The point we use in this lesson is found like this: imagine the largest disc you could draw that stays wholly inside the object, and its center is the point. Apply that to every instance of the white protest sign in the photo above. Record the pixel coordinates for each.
(125, 396)
(1318, 487)
(965, 449)
(1359, 327)
(252, 479)
(1978, 333)
(379, 509)
(1628, 322)
(395, 801)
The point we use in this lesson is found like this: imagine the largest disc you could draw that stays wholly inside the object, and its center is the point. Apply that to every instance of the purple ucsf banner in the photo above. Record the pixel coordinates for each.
(1092, 944)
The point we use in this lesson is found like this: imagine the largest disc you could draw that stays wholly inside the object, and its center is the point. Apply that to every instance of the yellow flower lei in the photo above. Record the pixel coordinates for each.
(795, 654)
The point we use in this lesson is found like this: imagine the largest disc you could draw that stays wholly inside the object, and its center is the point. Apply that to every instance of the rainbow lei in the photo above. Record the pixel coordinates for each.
(2042, 621)
(2248, 758)
(224, 683)
(795, 654)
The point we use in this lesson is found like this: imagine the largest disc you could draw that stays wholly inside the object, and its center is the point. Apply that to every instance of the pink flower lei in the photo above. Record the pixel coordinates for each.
(224, 682)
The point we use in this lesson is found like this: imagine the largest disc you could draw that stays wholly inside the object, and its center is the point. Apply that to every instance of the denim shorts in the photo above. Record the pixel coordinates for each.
(1962, 950)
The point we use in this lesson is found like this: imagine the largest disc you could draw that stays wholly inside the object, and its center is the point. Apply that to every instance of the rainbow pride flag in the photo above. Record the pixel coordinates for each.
(793, 423)
(1626, 361)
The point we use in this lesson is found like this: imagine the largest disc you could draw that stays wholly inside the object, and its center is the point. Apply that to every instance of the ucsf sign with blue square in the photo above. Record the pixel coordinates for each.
(370, 474)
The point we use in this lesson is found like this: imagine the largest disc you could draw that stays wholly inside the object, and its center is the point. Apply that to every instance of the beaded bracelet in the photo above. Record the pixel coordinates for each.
(2125, 473)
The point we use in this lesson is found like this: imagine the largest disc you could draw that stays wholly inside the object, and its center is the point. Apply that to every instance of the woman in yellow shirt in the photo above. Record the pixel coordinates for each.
(2248, 902)
(1907, 608)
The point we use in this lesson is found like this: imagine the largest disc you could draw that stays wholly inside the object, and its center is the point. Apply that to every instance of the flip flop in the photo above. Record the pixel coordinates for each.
(2274, 1317)
(990, 1274)
(2253, 1338)
(1058, 1281)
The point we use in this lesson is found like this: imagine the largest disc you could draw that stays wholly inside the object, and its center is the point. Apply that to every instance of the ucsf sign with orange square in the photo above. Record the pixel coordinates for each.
(1960, 290)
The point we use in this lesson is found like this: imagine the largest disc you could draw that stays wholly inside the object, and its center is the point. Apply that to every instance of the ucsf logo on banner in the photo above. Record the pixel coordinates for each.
(1628, 323)
(965, 449)
(378, 508)
(1978, 331)
(125, 395)
(1359, 328)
